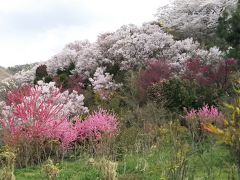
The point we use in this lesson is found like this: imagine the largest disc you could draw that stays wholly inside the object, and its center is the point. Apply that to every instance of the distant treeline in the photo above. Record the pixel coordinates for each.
(18, 68)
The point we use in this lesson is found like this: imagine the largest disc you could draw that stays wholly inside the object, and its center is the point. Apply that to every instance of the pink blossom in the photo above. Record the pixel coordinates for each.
(16, 96)
(99, 122)
(39, 118)
(205, 115)
(35, 118)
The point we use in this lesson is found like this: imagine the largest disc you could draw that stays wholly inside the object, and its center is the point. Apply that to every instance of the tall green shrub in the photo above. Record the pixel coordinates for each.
(229, 31)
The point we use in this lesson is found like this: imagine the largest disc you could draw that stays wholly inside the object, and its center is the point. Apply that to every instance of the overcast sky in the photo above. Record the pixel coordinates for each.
(35, 30)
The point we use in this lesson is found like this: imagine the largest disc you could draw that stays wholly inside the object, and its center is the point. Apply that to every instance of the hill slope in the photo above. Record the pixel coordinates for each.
(3, 73)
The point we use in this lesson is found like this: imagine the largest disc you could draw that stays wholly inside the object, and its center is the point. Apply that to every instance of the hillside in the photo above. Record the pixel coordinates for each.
(142, 102)
(17, 68)
(3, 73)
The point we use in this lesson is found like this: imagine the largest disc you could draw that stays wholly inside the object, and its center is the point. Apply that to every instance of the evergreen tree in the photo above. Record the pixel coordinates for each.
(229, 32)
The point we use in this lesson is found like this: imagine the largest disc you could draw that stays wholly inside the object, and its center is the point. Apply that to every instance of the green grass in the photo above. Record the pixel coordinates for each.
(173, 156)
(74, 170)
(205, 162)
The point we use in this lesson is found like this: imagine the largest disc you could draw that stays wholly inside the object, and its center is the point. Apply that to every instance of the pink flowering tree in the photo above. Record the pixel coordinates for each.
(31, 122)
(34, 117)
(16, 96)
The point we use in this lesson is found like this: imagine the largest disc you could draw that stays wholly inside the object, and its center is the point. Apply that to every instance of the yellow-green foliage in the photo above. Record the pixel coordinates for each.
(230, 132)
(7, 163)
(50, 170)
(107, 167)
(142, 165)
(175, 135)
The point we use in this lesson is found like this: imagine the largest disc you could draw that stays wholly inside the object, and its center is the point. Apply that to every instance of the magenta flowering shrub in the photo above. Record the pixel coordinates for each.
(205, 114)
(197, 120)
(210, 74)
(157, 71)
(100, 122)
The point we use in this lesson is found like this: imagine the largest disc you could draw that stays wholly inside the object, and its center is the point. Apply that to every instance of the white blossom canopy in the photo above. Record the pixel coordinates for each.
(193, 16)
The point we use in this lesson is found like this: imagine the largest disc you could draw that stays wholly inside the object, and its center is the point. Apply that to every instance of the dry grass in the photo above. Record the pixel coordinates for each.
(3, 73)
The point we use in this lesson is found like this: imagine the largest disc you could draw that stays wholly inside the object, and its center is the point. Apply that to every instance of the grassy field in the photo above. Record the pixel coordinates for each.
(207, 160)
(154, 165)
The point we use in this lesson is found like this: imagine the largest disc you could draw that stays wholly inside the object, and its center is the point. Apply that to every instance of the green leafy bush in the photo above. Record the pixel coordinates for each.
(176, 94)
(229, 32)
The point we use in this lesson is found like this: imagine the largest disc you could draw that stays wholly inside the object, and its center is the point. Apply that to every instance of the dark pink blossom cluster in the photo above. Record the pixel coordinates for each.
(207, 75)
(157, 71)
(34, 118)
(16, 96)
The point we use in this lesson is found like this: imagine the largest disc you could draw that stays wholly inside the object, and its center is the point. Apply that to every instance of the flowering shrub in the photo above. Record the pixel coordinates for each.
(209, 75)
(230, 132)
(37, 116)
(197, 119)
(157, 71)
(100, 122)
(205, 115)
(16, 96)
(103, 84)
(34, 121)
(72, 102)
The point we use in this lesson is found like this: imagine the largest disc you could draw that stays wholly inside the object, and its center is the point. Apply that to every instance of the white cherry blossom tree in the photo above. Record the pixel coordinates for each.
(193, 17)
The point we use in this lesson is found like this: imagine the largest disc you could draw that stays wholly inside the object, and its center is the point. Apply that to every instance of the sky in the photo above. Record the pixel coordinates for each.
(35, 30)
